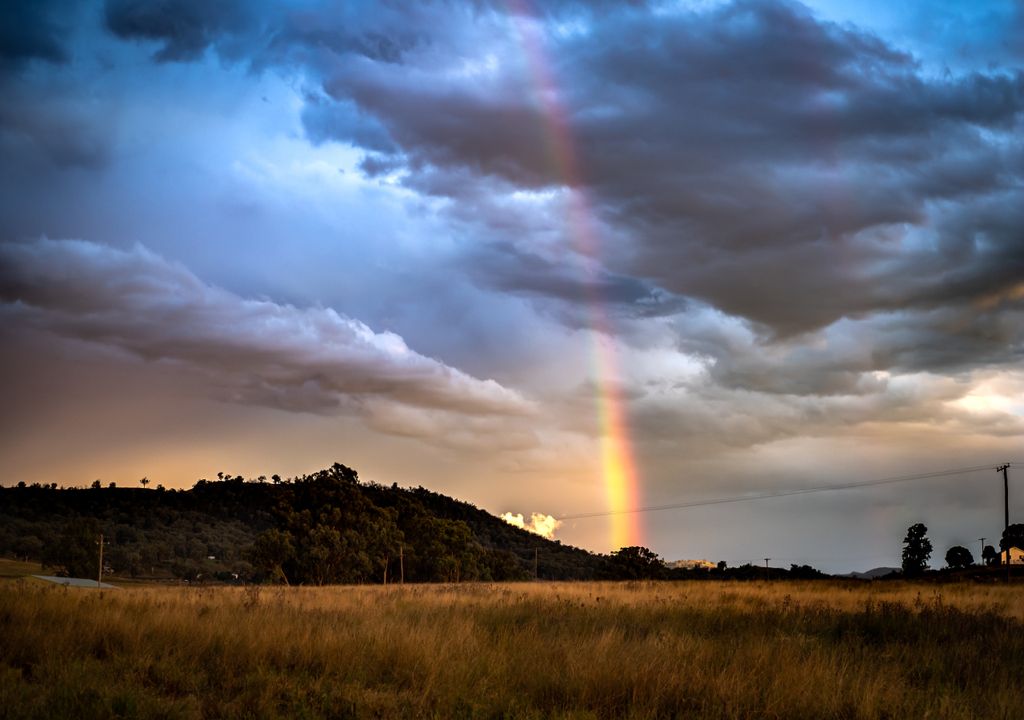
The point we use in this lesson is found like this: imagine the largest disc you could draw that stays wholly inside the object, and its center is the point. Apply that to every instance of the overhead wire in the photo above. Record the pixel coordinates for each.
(783, 493)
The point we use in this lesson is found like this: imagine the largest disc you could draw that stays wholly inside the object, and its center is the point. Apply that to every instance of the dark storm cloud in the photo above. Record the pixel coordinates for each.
(804, 176)
(269, 32)
(33, 30)
(255, 351)
(738, 149)
(184, 28)
(515, 270)
(325, 119)
(784, 170)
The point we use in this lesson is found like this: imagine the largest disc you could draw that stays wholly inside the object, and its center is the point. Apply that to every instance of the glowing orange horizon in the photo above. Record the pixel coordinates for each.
(617, 465)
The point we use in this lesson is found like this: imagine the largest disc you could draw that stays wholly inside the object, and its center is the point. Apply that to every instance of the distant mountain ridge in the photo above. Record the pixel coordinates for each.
(873, 573)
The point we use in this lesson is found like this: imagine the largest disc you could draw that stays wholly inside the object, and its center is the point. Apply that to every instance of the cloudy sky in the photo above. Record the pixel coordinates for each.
(554, 257)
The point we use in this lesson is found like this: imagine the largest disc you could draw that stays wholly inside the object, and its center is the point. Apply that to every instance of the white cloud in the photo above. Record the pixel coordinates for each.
(539, 523)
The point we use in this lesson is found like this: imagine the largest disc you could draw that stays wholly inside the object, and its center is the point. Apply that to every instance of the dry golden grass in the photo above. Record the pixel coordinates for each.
(596, 650)
(18, 568)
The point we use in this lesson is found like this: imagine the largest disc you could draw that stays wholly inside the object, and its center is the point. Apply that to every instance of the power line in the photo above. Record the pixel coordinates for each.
(831, 558)
(782, 493)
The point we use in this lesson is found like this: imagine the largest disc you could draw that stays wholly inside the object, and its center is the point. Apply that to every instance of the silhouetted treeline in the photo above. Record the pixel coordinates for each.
(316, 529)
(326, 527)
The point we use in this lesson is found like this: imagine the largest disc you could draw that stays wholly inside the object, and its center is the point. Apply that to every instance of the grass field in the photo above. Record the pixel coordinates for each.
(17, 568)
(599, 650)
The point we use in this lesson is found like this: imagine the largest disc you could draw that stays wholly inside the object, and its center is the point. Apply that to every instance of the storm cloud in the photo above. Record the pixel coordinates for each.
(781, 168)
(308, 359)
(183, 28)
(34, 31)
(736, 146)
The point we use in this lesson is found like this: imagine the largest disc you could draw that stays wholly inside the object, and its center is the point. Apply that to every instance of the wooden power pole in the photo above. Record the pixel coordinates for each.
(401, 565)
(99, 576)
(767, 570)
(1006, 507)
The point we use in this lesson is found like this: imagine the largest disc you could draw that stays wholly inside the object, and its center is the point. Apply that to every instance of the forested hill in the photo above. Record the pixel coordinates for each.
(327, 527)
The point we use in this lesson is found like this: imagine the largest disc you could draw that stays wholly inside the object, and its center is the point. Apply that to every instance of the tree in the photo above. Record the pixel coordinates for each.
(805, 572)
(1013, 536)
(75, 552)
(144, 482)
(638, 563)
(324, 555)
(959, 558)
(272, 550)
(917, 549)
(384, 540)
(442, 550)
(989, 555)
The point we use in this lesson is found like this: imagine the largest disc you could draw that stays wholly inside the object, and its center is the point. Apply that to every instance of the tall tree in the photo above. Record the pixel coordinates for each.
(989, 555)
(75, 552)
(917, 549)
(273, 550)
(1013, 536)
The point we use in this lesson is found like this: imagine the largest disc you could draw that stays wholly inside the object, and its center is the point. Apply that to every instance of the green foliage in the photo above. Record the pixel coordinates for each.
(323, 528)
(917, 549)
(316, 529)
(272, 550)
(75, 552)
(638, 563)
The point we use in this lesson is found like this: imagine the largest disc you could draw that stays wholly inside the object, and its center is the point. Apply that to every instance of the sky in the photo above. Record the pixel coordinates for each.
(551, 258)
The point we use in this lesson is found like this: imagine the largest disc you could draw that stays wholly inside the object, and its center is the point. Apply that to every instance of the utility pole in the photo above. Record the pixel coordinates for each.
(1006, 507)
(401, 565)
(535, 575)
(767, 570)
(981, 557)
(99, 577)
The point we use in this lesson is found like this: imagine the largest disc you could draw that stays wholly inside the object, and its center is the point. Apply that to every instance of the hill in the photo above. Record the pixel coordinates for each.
(323, 528)
(327, 527)
(874, 573)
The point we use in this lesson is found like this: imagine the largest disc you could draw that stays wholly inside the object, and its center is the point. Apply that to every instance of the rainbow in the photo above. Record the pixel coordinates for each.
(618, 468)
